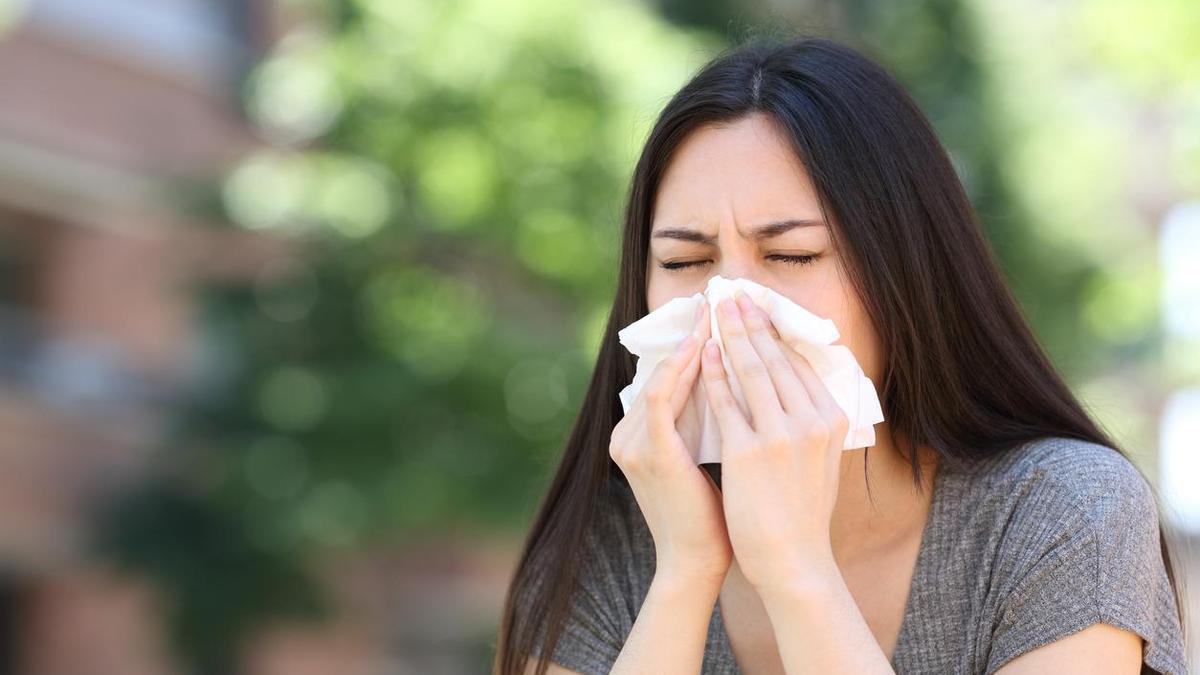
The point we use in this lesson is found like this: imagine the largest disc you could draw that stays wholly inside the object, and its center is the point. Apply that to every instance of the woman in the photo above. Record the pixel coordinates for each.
(996, 527)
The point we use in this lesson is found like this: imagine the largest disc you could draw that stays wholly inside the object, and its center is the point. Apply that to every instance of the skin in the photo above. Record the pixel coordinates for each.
(794, 549)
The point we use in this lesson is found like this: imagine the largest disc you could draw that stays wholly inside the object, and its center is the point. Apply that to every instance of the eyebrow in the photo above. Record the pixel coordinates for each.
(759, 233)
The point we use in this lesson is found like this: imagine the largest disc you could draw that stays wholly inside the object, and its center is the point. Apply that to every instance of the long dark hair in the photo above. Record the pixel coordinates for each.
(963, 371)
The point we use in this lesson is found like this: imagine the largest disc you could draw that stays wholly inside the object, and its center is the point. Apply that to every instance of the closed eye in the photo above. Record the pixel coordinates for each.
(787, 259)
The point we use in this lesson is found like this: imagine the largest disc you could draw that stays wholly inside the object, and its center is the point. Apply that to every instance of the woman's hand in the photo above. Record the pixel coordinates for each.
(779, 469)
(680, 502)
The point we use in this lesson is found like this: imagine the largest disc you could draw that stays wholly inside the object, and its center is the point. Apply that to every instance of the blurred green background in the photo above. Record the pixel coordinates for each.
(418, 226)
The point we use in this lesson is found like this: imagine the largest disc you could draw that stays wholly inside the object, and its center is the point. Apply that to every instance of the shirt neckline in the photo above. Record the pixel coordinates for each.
(911, 604)
(933, 525)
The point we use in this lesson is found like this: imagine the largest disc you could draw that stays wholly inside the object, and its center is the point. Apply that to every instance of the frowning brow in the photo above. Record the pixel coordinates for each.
(758, 233)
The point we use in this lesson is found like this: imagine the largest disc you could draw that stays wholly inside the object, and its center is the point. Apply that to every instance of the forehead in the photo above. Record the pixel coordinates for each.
(744, 172)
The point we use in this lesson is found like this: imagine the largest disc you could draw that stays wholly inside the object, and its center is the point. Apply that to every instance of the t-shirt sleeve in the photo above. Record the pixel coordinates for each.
(1087, 552)
(604, 599)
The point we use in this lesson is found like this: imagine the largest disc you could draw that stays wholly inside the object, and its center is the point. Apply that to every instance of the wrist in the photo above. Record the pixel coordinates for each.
(801, 584)
(689, 580)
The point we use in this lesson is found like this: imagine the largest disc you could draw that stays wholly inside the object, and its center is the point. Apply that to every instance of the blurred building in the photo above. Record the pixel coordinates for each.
(109, 107)
(111, 111)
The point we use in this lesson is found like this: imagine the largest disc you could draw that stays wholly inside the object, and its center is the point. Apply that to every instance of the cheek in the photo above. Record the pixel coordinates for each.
(662, 286)
(656, 293)
(839, 304)
(858, 334)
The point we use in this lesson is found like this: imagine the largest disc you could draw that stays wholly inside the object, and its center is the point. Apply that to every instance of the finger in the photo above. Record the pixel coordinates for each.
(660, 389)
(691, 371)
(788, 386)
(765, 409)
(824, 402)
(734, 429)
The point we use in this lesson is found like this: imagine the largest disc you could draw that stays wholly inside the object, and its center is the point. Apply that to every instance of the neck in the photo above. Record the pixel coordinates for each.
(864, 524)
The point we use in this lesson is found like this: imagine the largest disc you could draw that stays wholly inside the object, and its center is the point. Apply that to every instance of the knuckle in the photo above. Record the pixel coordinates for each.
(655, 396)
(817, 432)
(778, 362)
(620, 427)
(795, 359)
(661, 372)
(733, 328)
(713, 374)
(754, 322)
(675, 361)
(616, 452)
(777, 443)
(756, 369)
(631, 462)
(616, 446)
(724, 400)
(733, 455)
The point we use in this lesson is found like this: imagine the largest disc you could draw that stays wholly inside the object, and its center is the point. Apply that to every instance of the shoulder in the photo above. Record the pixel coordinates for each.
(1076, 542)
(1066, 478)
(1070, 462)
(1062, 501)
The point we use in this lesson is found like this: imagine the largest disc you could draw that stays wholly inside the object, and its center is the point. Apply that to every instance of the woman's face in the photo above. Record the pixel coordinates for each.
(723, 190)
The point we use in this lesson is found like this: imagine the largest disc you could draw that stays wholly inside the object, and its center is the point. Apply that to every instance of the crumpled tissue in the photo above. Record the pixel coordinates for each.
(656, 335)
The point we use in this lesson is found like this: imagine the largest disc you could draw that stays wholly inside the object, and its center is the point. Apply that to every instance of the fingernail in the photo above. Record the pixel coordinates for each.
(744, 302)
(710, 349)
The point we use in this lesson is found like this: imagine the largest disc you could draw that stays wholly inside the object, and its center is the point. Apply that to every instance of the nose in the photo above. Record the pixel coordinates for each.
(740, 265)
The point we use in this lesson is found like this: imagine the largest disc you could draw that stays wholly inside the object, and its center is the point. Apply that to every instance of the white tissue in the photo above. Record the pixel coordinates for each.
(656, 335)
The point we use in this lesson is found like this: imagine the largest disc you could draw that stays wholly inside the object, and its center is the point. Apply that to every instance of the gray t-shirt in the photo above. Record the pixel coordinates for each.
(1020, 549)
